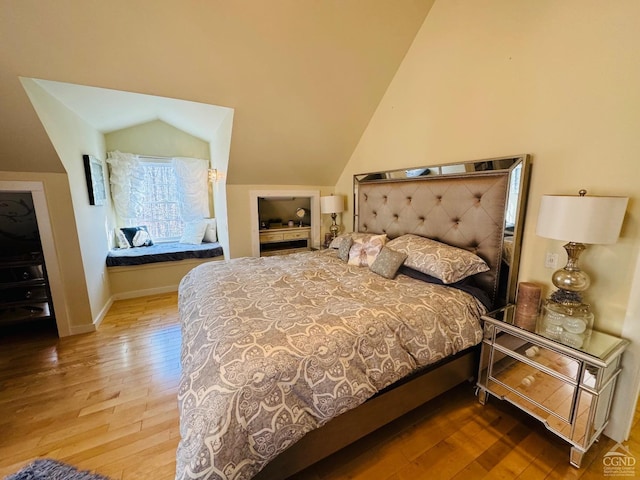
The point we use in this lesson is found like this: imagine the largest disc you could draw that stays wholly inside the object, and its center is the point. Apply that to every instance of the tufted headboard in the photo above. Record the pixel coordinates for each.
(466, 211)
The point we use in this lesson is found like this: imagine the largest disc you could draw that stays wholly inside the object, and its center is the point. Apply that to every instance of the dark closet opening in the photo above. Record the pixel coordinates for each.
(25, 298)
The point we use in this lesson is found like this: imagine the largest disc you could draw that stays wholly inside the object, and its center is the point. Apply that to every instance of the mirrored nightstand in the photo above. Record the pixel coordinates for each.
(569, 389)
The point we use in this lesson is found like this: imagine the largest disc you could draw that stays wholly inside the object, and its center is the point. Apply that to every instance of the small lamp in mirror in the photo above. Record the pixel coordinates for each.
(333, 205)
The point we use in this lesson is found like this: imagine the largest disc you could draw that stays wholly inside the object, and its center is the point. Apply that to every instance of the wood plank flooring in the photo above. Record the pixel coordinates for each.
(106, 401)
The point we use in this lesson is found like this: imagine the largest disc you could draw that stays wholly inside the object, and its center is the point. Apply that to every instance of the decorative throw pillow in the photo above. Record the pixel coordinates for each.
(193, 232)
(137, 236)
(142, 239)
(449, 264)
(365, 249)
(211, 233)
(388, 262)
(343, 250)
(336, 242)
(122, 239)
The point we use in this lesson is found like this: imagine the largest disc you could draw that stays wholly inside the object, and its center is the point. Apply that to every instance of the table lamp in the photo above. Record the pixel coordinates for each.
(578, 220)
(332, 204)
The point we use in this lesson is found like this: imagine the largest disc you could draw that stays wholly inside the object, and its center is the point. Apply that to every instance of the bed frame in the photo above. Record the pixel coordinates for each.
(464, 205)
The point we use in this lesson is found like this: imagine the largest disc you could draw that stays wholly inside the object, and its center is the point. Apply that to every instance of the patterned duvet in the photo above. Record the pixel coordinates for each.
(274, 347)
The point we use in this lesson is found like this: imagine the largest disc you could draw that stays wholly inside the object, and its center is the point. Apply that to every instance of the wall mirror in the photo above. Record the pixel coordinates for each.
(517, 167)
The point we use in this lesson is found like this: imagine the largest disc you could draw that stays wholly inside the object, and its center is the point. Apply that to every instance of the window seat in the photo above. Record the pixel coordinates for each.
(162, 252)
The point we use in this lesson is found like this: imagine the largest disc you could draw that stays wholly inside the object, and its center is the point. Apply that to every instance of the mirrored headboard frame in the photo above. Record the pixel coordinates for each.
(517, 167)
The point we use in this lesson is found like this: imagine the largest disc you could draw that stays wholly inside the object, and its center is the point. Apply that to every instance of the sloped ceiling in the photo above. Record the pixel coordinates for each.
(110, 110)
(303, 76)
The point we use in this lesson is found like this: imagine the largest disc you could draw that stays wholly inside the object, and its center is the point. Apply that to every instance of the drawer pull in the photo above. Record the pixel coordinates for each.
(532, 351)
(528, 380)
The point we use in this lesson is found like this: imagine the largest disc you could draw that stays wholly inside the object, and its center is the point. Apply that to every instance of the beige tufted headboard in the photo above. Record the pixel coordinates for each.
(465, 211)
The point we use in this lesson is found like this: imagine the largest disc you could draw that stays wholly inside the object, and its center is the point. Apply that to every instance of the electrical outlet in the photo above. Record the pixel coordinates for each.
(551, 260)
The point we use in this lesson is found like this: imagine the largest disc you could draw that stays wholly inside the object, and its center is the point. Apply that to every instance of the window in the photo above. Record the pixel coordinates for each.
(160, 210)
(161, 193)
(514, 195)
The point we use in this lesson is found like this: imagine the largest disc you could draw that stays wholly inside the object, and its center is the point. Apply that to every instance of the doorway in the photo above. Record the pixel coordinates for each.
(36, 189)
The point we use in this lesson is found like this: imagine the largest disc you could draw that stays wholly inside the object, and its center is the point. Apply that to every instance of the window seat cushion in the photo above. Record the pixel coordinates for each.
(162, 252)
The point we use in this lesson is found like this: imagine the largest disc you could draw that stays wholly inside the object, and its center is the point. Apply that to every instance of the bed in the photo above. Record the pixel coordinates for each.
(287, 359)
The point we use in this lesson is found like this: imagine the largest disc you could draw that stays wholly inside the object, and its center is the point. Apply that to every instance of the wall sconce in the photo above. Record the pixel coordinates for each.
(214, 175)
(577, 220)
(333, 204)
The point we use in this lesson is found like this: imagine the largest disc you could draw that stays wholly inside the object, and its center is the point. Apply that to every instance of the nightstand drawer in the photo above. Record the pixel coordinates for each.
(296, 235)
(271, 237)
(526, 385)
(540, 356)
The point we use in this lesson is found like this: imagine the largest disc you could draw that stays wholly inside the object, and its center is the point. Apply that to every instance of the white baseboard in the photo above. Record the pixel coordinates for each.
(79, 329)
(103, 313)
(144, 293)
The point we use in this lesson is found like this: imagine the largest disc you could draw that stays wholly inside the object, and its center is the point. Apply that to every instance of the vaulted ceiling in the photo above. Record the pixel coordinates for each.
(303, 76)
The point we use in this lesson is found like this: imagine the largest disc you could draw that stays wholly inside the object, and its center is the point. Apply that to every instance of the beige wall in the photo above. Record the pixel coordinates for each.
(72, 137)
(552, 79)
(220, 147)
(157, 138)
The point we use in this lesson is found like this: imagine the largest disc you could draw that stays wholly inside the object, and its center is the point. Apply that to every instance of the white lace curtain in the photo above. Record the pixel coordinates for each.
(193, 190)
(127, 186)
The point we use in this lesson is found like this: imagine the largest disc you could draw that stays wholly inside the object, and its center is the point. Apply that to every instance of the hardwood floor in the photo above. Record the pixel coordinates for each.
(106, 402)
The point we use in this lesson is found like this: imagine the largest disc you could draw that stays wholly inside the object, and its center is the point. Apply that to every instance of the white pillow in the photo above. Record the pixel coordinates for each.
(194, 232)
(142, 239)
(211, 233)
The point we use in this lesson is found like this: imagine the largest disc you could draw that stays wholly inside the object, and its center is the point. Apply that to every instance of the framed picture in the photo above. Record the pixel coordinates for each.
(94, 173)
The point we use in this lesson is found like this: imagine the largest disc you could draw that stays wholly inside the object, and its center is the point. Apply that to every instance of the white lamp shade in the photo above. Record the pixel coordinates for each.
(332, 204)
(581, 219)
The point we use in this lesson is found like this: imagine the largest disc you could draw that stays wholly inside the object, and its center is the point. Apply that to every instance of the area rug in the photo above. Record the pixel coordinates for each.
(47, 469)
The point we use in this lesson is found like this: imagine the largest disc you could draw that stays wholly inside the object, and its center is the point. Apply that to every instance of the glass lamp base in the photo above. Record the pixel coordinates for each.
(570, 324)
(334, 229)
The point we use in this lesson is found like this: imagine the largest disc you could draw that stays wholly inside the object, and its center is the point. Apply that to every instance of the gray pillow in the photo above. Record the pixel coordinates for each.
(343, 249)
(388, 262)
(336, 242)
